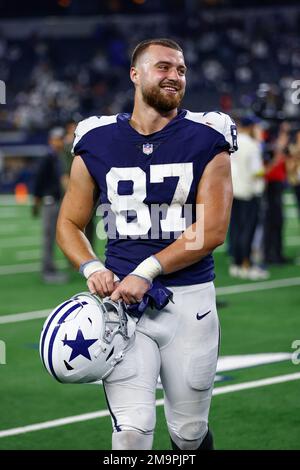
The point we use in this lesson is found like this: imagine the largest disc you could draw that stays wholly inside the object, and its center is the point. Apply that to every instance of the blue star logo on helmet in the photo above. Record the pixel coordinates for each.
(74, 344)
(79, 345)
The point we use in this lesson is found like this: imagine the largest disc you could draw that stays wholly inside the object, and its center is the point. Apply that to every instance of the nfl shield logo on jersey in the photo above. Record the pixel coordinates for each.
(147, 149)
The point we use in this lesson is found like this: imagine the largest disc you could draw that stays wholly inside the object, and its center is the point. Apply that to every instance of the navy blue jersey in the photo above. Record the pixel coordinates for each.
(148, 184)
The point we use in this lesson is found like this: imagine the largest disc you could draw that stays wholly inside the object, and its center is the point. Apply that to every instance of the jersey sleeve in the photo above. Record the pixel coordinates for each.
(83, 127)
(84, 132)
(227, 132)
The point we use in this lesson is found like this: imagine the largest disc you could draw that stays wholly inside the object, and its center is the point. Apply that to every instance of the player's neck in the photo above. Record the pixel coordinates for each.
(147, 120)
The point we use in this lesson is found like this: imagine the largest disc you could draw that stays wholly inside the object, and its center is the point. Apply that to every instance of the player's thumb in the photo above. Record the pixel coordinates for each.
(115, 295)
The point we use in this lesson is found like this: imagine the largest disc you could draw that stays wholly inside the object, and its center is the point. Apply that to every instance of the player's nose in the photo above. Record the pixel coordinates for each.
(173, 74)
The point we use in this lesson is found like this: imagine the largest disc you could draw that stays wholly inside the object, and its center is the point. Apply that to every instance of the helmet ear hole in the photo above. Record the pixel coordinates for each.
(68, 367)
(84, 338)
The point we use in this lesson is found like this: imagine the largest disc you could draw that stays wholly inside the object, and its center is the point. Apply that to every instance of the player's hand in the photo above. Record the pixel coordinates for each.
(102, 283)
(131, 290)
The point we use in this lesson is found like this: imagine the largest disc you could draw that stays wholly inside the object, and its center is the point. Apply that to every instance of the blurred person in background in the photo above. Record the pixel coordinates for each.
(66, 154)
(275, 176)
(1, 161)
(248, 186)
(293, 168)
(49, 185)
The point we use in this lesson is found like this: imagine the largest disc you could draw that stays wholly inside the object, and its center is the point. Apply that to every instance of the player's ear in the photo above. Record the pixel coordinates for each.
(134, 75)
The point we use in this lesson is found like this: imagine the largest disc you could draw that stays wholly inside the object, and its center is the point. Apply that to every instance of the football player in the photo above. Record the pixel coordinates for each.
(158, 157)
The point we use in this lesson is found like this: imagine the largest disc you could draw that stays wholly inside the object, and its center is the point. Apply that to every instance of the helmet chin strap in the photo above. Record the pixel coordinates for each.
(102, 348)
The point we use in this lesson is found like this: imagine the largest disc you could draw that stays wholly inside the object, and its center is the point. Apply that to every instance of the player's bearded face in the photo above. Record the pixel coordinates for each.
(160, 97)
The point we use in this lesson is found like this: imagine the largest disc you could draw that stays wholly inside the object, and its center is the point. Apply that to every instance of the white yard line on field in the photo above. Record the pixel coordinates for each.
(289, 241)
(29, 240)
(291, 212)
(36, 241)
(6, 229)
(15, 318)
(10, 200)
(18, 228)
(292, 241)
(289, 199)
(103, 413)
(21, 242)
(256, 286)
(256, 383)
(28, 255)
(8, 214)
(228, 290)
(27, 268)
(20, 268)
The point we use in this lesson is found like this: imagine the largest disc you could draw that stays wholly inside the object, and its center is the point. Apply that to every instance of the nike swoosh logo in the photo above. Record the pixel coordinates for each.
(199, 317)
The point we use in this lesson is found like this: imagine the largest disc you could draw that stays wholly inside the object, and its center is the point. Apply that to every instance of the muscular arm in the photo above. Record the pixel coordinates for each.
(75, 213)
(215, 192)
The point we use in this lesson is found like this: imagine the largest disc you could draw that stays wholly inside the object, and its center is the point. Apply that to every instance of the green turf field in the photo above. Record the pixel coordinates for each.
(38, 413)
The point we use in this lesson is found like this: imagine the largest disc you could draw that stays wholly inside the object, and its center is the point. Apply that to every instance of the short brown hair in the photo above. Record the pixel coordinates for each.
(156, 42)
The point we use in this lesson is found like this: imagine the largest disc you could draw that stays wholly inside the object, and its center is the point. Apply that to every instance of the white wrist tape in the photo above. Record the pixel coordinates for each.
(148, 269)
(90, 267)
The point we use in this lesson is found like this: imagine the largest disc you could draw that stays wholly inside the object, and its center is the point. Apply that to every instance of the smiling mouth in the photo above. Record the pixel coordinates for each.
(170, 89)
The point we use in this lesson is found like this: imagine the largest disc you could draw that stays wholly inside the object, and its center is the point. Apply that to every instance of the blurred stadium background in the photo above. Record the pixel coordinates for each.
(64, 60)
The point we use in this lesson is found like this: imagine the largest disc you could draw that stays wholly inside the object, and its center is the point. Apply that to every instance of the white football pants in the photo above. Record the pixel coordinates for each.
(181, 344)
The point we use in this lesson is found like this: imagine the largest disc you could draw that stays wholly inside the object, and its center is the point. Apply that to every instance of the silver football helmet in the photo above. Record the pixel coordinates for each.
(84, 338)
